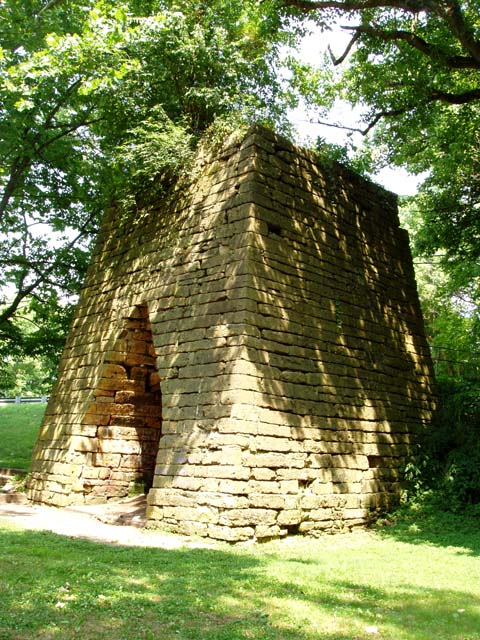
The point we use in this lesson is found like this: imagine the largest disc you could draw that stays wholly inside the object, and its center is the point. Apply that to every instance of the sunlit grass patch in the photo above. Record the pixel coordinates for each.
(345, 587)
(19, 426)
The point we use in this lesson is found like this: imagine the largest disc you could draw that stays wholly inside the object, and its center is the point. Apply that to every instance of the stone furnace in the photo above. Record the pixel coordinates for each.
(251, 348)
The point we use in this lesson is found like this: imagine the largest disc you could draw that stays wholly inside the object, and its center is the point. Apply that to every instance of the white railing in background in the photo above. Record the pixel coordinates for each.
(19, 399)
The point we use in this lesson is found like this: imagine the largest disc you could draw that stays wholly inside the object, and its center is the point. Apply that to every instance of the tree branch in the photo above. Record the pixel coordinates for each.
(61, 101)
(24, 292)
(66, 132)
(454, 98)
(337, 61)
(451, 12)
(434, 96)
(412, 6)
(18, 167)
(336, 125)
(49, 5)
(448, 10)
(387, 113)
(432, 51)
(21, 164)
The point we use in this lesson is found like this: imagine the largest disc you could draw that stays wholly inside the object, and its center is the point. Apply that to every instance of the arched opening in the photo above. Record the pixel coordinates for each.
(127, 413)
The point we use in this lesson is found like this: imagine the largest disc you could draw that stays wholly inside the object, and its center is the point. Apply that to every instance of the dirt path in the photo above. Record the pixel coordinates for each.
(115, 523)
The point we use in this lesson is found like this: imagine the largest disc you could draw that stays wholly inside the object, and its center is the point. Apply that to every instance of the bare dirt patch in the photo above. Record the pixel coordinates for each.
(118, 523)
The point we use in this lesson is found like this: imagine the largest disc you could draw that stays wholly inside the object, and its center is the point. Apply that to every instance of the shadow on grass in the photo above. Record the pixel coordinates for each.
(53, 587)
(425, 523)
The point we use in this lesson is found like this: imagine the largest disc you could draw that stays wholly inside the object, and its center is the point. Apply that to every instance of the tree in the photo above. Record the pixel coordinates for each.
(49, 172)
(412, 65)
(84, 86)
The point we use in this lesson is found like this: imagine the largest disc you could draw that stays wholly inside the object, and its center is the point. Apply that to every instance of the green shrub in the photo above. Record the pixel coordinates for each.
(449, 458)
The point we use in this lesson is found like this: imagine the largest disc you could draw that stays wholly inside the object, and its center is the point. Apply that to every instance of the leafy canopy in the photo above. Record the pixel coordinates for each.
(96, 100)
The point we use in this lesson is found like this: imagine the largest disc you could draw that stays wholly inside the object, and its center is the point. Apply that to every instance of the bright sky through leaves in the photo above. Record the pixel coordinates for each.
(308, 126)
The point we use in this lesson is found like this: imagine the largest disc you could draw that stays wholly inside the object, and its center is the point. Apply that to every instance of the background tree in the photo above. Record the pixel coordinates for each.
(86, 86)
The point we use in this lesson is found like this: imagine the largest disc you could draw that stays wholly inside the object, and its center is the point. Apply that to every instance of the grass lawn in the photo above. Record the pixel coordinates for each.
(19, 425)
(416, 580)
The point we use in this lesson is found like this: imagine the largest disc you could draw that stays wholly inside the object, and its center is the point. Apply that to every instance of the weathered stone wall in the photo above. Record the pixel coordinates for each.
(262, 326)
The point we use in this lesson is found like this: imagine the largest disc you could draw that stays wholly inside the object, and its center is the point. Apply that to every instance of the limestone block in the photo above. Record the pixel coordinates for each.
(359, 514)
(274, 461)
(264, 443)
(293, 474)
(225, 455)
(265, 531)
(170, 497)
(289, 517)
(229, 533)
(119, 446)
(84, 444)
(201, 513)
(213, 471)
(223, 500)
(312, 501)
(111, 460)
(233, 486)
(265, 501)
(322, 515)
(288, 486)
(217, 440)
(247, 517)
(96, 419)
(187, 484)
(154, 513)
(248, 425)
(188, 528)
(167, 457)
(114, 371)
(259, 473)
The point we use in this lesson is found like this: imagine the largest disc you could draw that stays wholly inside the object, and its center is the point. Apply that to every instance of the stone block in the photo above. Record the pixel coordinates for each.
(213, 471)
(289, 517)
(275, 461)
(263, 474)
(233, 486)
(222, 500)
(247, 517)
(265, 501)
(201, 513)
(110, 460)
(266, 532)
(230, 533)
(263, 443)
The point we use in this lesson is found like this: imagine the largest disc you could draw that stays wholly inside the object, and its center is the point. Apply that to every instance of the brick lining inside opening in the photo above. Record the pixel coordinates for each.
(128, 407)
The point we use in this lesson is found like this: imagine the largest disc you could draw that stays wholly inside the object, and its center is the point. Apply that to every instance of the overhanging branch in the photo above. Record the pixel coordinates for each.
(337, 61)
(455, 98)
(412, 6)
(434, 96)
(49, 5)
(451, 12)
(42, 276)
(432, 51)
